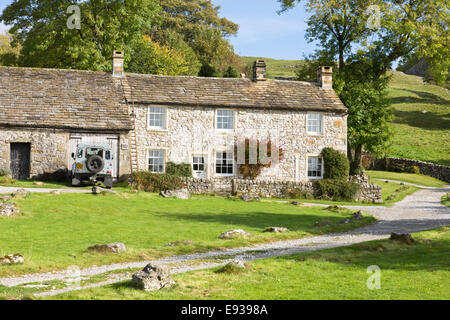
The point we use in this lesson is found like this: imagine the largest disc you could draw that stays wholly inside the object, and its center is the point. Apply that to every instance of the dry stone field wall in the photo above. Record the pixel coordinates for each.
(269, 188)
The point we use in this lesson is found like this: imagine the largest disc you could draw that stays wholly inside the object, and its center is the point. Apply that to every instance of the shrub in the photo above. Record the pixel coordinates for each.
(179, 170)
(296, 193)
(336, 164)
(4, 172)
(154, 182)
(336, 189)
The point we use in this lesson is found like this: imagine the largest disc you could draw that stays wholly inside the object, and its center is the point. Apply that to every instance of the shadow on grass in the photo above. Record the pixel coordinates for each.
(262, 220)
(424, 97)
(428, 121)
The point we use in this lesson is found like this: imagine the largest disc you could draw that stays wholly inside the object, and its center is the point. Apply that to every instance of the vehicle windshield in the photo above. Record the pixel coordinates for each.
(94, 152)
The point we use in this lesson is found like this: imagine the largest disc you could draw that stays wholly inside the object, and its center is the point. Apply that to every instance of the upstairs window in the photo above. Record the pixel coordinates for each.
(157, 118)
(314, 123)
(315, 168)
(156, 161)
(225, 119)
(224, 163)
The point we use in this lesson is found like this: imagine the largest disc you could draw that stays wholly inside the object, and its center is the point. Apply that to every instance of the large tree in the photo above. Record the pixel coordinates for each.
(365, 38)
(40, 27)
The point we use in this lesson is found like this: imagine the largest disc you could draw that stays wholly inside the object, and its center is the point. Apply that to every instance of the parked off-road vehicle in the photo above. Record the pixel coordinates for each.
(93, 163)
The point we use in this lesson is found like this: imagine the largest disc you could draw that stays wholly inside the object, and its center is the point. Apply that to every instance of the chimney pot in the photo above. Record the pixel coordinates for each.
(325, 77)
(259, 70)
(117, 63)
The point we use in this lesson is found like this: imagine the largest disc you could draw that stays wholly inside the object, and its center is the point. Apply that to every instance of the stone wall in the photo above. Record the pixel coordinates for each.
(49, 149)
(192, 131)
(368, 192)
(430, 169)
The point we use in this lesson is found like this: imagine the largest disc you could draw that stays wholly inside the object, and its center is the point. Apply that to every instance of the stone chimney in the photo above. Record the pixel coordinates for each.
(117, 64)
(325, 77)
(259, 70)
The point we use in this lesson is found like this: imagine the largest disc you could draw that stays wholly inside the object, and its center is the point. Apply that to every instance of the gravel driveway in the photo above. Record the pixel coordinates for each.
(417, 212)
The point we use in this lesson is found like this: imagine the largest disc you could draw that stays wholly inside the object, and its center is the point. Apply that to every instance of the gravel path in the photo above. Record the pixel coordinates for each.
(419, 211)
(8, 190)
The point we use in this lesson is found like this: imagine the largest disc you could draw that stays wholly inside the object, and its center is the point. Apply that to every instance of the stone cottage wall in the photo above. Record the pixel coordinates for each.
(192, 131)
(49, 148)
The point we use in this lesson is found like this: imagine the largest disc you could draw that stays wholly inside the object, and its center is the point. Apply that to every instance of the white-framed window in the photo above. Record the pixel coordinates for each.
(314, 123)
(225, 120)
(156, 161)
(225, 163)
(198, 162)
(157, 118)
(315, 167)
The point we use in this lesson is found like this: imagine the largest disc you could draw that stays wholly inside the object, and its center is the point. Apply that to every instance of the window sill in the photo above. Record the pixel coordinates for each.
(156, 129)
(314, 134)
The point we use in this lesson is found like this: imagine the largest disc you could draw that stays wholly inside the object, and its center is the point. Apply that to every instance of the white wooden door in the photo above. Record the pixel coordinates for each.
(111, 140)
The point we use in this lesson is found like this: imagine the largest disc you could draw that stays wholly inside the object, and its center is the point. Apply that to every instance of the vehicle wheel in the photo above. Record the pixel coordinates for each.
(95, 164)
(108, 182)
(76, 181)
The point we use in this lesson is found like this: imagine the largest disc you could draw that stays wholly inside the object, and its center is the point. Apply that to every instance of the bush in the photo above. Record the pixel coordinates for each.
(4, 172)
(179, 170)
(336, 189)
(336, 164)
(401, 167)
(154, 182)
(296, 193)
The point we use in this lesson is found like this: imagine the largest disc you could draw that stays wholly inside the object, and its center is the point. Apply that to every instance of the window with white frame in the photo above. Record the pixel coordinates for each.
(157, 117)
(224, 163)
(156, 161)
(315, 167)
(314, 123)
(225, 119)
(198, 163)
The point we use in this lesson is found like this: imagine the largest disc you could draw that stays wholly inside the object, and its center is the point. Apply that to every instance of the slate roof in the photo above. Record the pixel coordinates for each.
(95, 101)
(56, 98)
(236, 93)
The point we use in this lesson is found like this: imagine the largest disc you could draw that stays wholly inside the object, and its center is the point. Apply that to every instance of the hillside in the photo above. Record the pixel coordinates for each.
(422, 114)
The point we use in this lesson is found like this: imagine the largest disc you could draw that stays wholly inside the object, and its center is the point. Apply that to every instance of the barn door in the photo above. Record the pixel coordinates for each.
(111, 140)
(20, 160)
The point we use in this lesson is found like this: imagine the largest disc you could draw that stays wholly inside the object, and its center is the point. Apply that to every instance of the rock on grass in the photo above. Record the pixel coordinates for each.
(152, 278)
(108, 248)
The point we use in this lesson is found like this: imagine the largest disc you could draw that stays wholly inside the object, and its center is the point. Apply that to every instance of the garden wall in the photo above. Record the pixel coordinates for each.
(430, 169)
(270, 188)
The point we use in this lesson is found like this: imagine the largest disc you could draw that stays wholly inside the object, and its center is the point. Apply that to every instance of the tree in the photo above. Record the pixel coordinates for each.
(151, 57)
(8, 54)
(404, 28)
(208, 70)
(231, 73)
(40, 27)
(198, 24)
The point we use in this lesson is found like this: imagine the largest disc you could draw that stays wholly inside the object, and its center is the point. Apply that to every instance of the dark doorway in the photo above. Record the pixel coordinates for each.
(20, 160)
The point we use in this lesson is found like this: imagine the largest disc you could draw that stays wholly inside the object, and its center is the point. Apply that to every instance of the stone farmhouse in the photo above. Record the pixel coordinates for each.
(149, 120)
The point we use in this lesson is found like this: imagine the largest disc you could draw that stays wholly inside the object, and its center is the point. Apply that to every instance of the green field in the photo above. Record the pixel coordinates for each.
(54, 231)
(417, 135)
(420, 271)
(419, 179)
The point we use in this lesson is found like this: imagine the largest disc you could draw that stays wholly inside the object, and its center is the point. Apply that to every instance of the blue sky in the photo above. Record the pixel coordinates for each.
(262, 32)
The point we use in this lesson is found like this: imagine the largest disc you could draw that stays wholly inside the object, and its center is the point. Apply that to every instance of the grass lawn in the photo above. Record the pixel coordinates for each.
(419, 179)
(7, 182)
(421, 271)
(54, 231)
(419, 135)
(394, 192)
(446, 200)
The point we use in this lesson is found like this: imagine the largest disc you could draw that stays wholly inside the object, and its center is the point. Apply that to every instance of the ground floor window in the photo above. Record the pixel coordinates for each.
(156, 161)
(198, 163)
(224, 163)
(315, 167)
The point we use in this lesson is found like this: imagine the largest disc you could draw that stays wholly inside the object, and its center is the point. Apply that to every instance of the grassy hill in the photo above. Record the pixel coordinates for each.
(422, 113)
